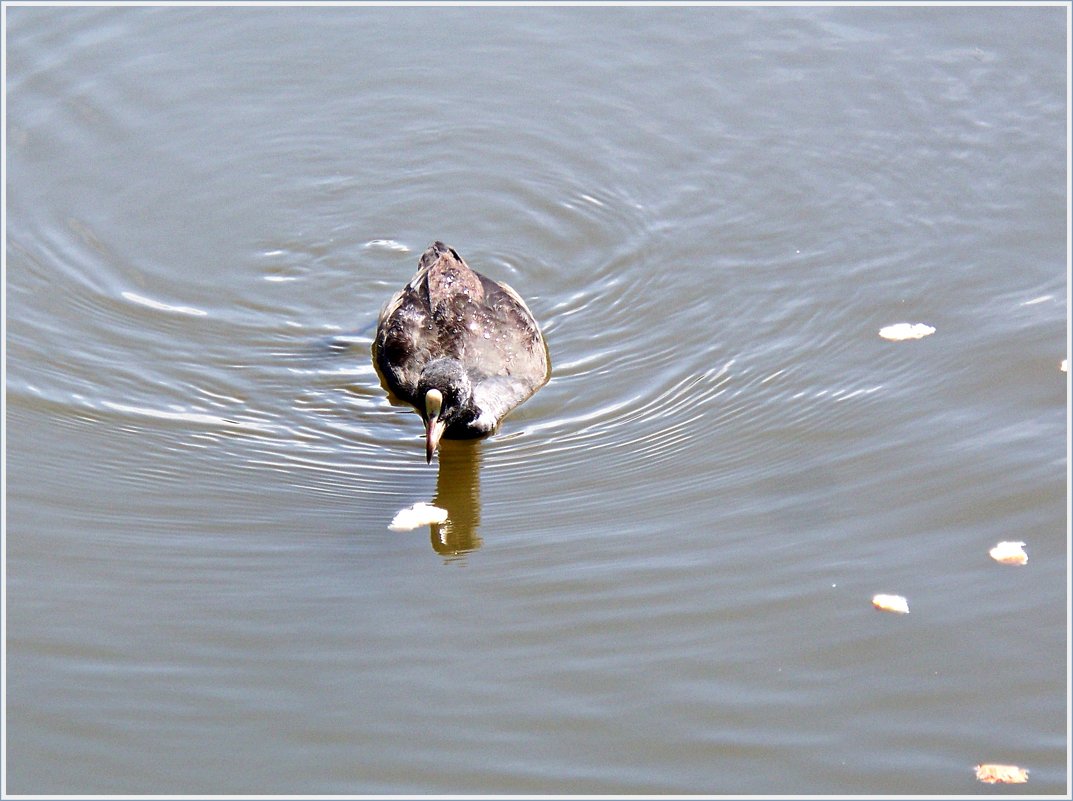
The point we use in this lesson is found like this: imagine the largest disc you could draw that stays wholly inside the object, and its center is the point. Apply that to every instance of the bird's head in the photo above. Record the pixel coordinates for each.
(447, 399)
(435, 423)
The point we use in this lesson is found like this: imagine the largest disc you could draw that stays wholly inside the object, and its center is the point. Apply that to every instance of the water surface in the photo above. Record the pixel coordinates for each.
(657, 577)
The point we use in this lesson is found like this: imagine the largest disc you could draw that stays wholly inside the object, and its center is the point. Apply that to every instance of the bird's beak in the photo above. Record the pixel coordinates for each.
(433, 432)
(434, 426)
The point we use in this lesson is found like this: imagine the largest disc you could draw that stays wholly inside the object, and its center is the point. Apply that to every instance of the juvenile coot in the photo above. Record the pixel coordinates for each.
(462, 349)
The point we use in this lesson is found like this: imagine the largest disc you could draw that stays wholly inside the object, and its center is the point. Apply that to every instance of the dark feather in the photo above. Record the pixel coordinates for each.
(448, 313)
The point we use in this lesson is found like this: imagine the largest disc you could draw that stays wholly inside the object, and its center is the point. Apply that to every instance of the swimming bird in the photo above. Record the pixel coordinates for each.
(462, 349)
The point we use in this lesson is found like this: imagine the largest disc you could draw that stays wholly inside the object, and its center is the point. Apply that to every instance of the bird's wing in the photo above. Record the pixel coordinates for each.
(402, 343)
(496, 396)
(520, 344)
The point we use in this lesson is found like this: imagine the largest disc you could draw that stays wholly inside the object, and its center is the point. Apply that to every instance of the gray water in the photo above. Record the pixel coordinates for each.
(657, 577)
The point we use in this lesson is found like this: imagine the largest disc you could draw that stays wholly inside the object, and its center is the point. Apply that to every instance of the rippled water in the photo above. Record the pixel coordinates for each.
(657, 577)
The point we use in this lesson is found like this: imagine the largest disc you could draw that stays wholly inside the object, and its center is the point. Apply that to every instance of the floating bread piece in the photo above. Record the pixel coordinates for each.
(891, 603)
(902, 331)
(420, 514)
(1010, 553)
(1001, 774)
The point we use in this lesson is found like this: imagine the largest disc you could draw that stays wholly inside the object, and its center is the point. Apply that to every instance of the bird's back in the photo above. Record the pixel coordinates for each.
(449, 311)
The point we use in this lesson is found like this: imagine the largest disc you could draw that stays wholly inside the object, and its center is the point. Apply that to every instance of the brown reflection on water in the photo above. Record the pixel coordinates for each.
(458, 490)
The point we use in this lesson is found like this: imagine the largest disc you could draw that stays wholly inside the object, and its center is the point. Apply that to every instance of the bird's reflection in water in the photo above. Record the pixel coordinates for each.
(458, 490)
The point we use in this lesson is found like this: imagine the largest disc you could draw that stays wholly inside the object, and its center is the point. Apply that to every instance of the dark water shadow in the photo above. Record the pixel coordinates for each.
(458, 490)
(343, 343)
